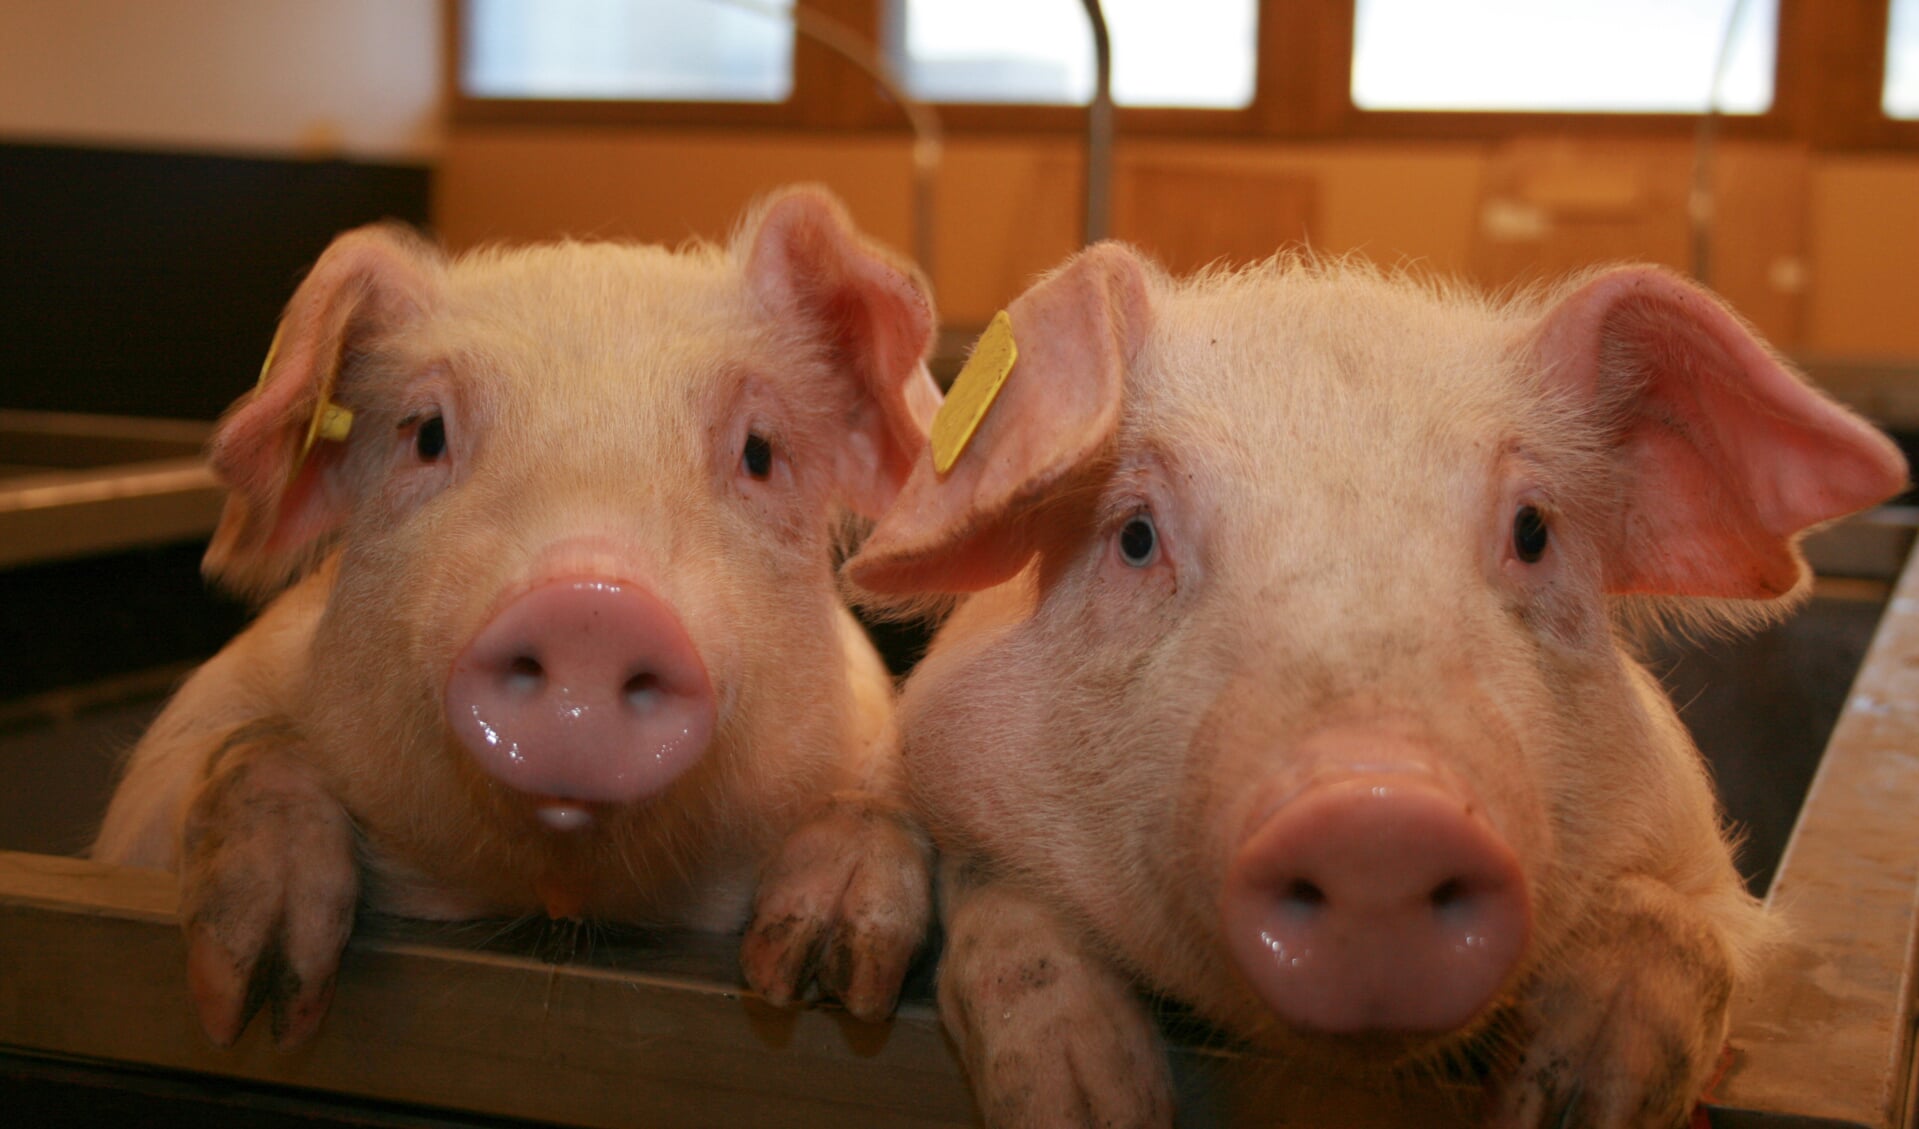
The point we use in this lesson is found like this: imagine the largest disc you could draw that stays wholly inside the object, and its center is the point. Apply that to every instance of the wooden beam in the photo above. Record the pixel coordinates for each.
(1824, 1036)
(623, 1034)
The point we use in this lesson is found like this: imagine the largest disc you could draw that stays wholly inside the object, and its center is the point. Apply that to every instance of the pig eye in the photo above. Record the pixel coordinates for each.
(430, 440)
(757, 457)
(1138, 541)
(1529, 534)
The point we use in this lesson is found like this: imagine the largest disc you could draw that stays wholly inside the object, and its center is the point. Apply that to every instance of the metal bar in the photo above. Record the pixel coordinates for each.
(1099, 131)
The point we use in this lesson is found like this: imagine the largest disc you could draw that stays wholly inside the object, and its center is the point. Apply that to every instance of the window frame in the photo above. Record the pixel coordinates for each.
(1830, 69)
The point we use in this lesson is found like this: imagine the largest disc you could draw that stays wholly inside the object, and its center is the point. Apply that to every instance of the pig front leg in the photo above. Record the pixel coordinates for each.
(268, 884)
(1627, 1030)
(1051, 1033)
(845, 903)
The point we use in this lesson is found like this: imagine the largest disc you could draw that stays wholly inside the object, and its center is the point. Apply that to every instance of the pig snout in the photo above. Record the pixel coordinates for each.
(1376, 900)
(582, 691)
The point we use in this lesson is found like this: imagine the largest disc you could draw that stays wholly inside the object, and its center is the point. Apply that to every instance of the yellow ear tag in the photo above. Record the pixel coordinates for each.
(330, 421)
(973, 391)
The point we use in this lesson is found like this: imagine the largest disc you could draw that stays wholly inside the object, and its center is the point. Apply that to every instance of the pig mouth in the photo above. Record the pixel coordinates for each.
(1468, 1056)
(564, 815)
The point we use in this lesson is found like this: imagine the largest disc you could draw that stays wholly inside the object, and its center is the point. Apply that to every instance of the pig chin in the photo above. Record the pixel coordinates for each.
(583, 694)
(1388, 1054)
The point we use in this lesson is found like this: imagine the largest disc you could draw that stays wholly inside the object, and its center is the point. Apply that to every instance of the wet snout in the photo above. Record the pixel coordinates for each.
(1377, 898)
(582, 691)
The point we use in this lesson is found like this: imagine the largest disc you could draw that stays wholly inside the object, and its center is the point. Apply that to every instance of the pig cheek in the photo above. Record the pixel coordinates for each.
(782, 519)
(410, 488)
(788, 502)
(1120, 601)
(1557, 599)
(1137, 644)
(414, 586)
(750, 585)
(1554, 618)
(403, 487)
(1129, 595)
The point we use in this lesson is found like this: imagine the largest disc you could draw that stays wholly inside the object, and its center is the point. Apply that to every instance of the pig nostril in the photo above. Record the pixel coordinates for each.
(642, 691)
(1448, 893)
(1455, 902)
(1302, 899)
(524, 674)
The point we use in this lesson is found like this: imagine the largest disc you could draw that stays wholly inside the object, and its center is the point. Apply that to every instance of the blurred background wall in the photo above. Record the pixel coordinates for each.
(170, 168)
(168, 171)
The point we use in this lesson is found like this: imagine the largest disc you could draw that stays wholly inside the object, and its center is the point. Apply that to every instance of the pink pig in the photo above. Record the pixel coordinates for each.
(1296, 685)
(563, 634)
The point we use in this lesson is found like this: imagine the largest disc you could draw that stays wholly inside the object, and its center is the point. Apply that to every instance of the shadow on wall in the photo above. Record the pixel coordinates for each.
(149, 283)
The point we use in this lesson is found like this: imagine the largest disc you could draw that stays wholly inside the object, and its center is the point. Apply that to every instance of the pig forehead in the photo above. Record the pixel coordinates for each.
(1283, 378)
(628, 304)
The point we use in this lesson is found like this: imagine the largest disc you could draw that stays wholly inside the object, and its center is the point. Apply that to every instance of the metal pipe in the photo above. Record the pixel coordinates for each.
(928, 137)
(1699, 202)
(1099, 131)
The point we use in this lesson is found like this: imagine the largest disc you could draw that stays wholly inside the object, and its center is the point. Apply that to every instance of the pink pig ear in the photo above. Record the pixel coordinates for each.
(284, 498)
(1076, 332)
(872, 313)
(1725, 454)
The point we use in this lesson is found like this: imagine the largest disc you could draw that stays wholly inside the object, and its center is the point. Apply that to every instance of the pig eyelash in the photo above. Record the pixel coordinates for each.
(1530, 534)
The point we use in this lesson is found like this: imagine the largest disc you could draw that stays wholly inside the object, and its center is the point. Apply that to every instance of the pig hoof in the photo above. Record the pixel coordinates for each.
(1051, 1042)
(268, 886)
(842, 908)
(1050, 1032)
(1617, 1091)
(1638, 1055)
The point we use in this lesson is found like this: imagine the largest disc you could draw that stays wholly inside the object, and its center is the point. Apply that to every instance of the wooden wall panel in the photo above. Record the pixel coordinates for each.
(1863, 289)
(1009, 208)
(1007, 211)
(1400, 204)
(1188, 214)
(1810, 247)
(1552, 206)
(1760, 236)
(521, 184)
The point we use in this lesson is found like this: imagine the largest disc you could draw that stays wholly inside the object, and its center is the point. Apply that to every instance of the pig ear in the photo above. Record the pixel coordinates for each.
(872, 314)
(284, 499)
(1076, 332)
(1724, 454)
